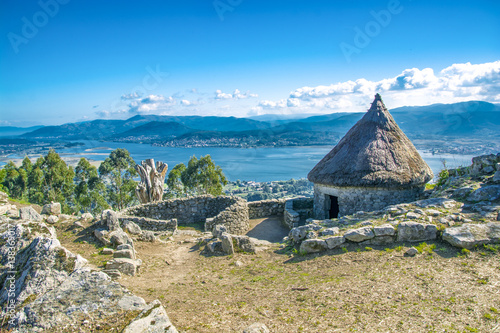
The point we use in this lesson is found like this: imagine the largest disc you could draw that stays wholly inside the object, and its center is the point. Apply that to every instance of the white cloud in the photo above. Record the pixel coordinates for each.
(237, 94)
(456, 83)
(133, 95)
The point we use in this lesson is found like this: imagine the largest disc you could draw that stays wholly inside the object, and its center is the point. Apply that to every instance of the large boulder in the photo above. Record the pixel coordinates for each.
(125, 265)
(110, 219)
(416, 232)
(299, 233)
(153, 318)
(333, 242)
(119, 237)
(486, 193)
(243, 243)
(53, 208)
(30, 214)
(227, 243)
(360, 235)
(313, 246)
(469, 235)
(131, 227)
(384, 230)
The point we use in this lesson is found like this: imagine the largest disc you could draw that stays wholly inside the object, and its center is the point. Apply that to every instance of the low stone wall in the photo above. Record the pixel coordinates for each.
(263, 208)
(297, 209)
(355, 199)
(229, 211)
(151, 224)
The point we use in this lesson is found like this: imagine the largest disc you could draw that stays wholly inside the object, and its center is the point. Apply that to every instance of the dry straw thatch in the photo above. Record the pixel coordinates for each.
(374, 153)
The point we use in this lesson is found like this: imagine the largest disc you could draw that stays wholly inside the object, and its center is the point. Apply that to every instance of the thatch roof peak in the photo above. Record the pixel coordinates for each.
(375, 153)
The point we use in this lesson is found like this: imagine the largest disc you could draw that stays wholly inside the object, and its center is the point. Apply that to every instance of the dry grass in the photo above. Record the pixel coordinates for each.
(357, 289)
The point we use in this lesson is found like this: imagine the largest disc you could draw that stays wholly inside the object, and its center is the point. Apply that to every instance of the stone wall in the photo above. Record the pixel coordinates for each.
(297, 209)
(354, 199)
(230, 211)
(263, 208)
(151, 224)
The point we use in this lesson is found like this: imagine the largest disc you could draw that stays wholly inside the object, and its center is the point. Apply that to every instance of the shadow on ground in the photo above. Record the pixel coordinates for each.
(270, 229)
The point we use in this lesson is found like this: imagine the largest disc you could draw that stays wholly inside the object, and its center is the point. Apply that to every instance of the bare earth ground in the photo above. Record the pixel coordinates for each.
(353, 290)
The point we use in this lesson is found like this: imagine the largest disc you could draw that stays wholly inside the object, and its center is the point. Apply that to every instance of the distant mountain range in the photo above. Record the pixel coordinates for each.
(467, 119)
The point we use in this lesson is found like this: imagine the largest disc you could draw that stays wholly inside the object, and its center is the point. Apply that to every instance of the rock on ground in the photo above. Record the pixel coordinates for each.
(359, 235)
(30, 214)
(152, 319)
(53, 208)
(257, 328)
(131, 227)
(469, 235)
(313, 246)
(416, 232)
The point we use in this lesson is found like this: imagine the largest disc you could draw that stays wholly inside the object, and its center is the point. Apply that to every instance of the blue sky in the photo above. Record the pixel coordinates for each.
(114, 59)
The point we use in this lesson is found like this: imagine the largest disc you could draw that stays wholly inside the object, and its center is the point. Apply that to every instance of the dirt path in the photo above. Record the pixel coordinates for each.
(270, 229)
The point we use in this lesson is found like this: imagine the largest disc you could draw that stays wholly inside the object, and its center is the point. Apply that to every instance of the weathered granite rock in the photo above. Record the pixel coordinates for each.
(227, 243)
(380, 240)
(257, 328)
(469, 235)
(52, 219)
(153, 319)
(359, 235)
(30, 214)
(486, 193)
(110, 219)
(147, 236)
(131, 227)
(384, 230)
(243, 243)
(299, 233)
(53, 208)
(413, 216)
(433, 212)
(107, 251)
(496, 177)
(333, 242)
(78, 224)
(119, 237)
(125, 265)
(102, 235)
(4, 208)
(411, 252)
(437, 202)
(462, 192)
(213, 247)
(218, 230)
(330, 231)
(86, 217)
(416, 232)
(130, 254)
(313, 245)
(113, 273)
(44, 264)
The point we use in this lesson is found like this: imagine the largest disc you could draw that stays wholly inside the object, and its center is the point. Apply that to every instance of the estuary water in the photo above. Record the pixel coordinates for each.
(256, 164)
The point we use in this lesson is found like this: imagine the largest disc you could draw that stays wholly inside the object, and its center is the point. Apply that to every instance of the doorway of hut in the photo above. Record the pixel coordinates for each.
(333, 212)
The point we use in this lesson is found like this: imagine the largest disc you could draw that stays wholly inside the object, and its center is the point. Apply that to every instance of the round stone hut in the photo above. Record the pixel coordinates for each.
(373, 166)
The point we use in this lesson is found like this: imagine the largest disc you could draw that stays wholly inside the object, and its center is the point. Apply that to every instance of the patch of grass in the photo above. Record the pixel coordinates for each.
(425, 248)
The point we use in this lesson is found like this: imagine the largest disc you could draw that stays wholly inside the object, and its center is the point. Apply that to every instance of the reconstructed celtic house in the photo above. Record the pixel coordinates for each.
(374, 165)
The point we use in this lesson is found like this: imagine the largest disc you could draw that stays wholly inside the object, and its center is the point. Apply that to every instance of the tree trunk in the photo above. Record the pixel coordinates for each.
(150, 189)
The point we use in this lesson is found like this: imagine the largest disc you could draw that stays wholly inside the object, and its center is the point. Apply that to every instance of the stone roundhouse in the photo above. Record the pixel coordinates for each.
(372, 166)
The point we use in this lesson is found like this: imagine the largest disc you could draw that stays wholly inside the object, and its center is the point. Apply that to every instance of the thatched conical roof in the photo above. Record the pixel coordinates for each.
(374, 153)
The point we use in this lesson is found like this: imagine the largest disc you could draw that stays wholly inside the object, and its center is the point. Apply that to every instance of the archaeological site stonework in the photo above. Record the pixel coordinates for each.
(232, 212)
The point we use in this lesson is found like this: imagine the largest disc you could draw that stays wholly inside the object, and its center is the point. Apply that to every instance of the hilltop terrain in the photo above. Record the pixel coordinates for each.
(466, 128)
(356, 287)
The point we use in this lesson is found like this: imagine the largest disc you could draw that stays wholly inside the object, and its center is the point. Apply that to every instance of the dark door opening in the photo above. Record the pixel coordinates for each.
(334, 207)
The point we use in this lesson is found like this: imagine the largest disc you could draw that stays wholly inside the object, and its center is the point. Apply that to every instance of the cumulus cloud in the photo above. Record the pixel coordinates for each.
(456, 83)
(237, 94)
